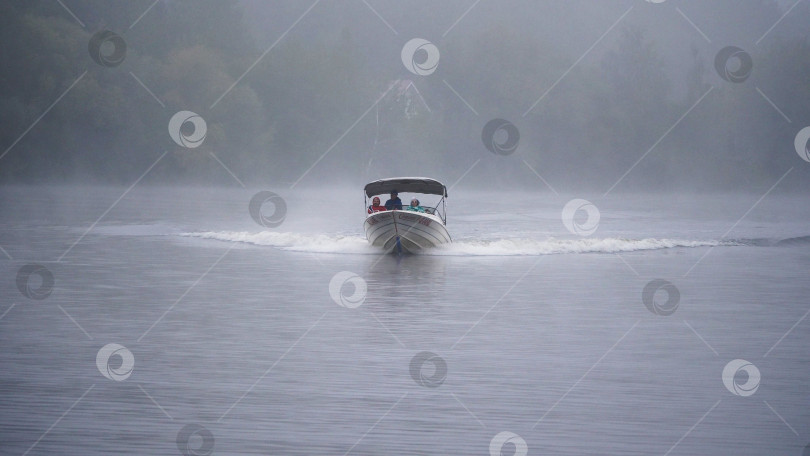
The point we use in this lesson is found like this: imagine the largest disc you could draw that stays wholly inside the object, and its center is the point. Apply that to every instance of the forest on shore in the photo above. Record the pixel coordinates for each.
(297, 101)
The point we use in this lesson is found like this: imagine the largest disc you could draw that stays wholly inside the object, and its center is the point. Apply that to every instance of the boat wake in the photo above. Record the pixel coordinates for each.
(551, 246)
(352, 244)
(298, 242)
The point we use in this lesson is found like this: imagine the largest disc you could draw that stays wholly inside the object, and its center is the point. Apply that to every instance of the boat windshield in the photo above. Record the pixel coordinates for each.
(437, 207)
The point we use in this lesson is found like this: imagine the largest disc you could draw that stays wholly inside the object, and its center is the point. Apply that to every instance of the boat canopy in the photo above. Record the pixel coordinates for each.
(406, 184)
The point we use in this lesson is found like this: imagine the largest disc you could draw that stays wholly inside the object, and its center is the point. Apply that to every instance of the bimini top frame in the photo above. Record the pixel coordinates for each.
(424, 185)
(406, 185)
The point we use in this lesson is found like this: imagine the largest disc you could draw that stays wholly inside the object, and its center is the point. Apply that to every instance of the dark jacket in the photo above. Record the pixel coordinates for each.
(395, 203)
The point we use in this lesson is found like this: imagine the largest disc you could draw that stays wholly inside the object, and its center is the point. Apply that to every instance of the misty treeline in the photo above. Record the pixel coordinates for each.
(309, 90)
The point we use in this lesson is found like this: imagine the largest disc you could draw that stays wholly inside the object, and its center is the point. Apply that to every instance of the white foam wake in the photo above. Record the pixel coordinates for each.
(553, 246)
(322, 243)
(316, 243)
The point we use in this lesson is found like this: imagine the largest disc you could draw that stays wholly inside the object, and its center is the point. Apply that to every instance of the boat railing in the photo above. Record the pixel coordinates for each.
(432, 210)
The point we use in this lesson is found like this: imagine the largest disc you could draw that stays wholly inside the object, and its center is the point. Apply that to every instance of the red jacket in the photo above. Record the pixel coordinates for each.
(375, 209)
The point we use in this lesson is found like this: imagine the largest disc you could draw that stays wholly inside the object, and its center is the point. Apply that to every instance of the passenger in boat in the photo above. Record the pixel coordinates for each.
(375, 205)
(415, 206)
(394, 202)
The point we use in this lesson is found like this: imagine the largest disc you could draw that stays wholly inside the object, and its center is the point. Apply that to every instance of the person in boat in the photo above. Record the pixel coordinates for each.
(375, 205)
(415, 206)
(394, 202)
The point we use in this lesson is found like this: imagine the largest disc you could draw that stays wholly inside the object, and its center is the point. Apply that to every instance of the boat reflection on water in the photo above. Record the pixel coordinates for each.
(405, 292)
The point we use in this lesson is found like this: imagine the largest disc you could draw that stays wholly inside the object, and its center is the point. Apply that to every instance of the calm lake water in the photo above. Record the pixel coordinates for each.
(231, 341)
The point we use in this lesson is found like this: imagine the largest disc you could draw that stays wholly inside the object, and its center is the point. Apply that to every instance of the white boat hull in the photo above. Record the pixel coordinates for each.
(405, 231)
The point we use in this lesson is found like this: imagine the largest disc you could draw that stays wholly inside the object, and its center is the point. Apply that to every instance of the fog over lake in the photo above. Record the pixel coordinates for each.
(184, 266)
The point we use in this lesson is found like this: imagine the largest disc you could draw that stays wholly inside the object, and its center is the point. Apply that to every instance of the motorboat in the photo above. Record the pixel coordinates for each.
(409, 229)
